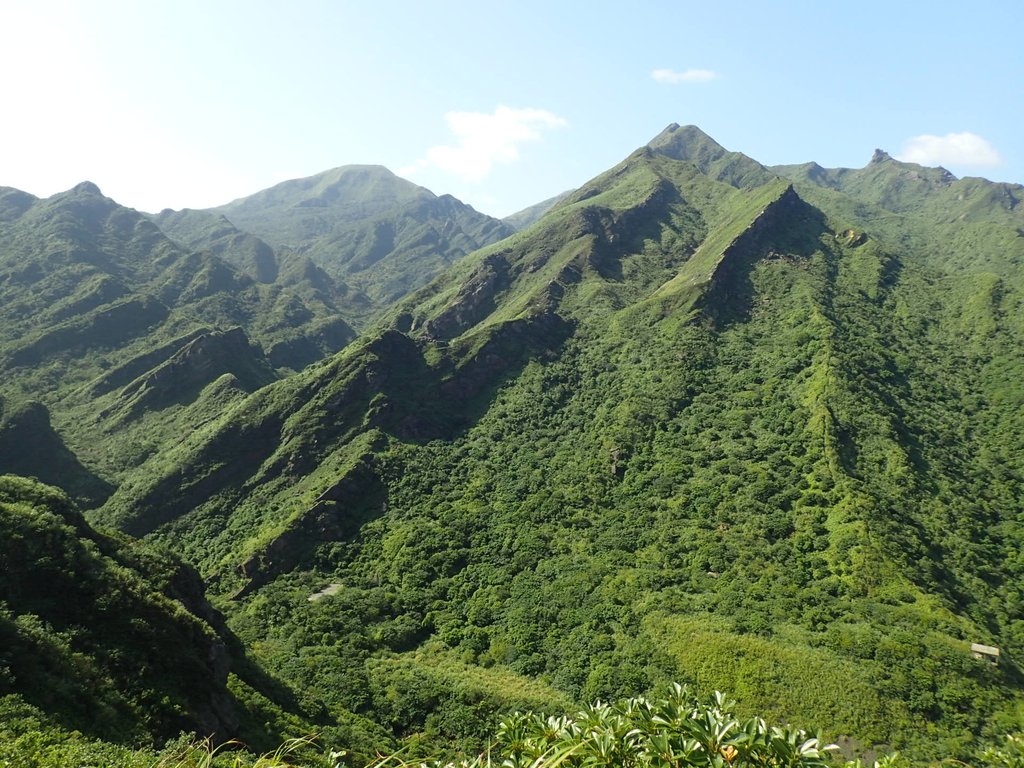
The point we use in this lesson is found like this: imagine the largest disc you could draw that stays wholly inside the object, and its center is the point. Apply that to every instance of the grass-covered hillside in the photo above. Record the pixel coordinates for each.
(699, 422)
(121, 332)
(379, 234)
(106, 636)
(114, 340)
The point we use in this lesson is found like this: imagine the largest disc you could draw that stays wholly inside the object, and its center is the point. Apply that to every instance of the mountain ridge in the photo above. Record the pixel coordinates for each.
(367, 226)
(751, 428)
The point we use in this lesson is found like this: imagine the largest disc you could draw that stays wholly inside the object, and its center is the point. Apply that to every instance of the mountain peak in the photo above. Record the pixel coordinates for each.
(87, 188)
(880, 156)
(355, 187)
(361, 171)
(685, 142)
(690, 144)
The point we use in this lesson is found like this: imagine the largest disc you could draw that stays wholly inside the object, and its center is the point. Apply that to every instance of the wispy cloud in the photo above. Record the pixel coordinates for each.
(673, 77)
(952, 149)
(483, 140)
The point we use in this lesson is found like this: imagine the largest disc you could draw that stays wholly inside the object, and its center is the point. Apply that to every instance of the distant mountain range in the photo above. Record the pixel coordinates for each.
(758, 429)
(375, 232)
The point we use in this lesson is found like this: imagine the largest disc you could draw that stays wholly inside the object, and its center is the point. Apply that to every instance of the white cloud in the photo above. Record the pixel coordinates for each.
(952, 149)
(672, 77)
(484, 140)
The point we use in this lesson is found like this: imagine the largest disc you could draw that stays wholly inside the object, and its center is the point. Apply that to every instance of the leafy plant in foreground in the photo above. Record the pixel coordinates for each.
(675, 732)
(1009, 755)
(293, 753)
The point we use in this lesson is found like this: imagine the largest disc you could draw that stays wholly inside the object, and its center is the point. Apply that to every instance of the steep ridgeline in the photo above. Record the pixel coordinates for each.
(116, 331)
(531, 215)
(108, 645)
(106, 637)
(698, 422)
(972, 222)
(379, 235)
(210, 231)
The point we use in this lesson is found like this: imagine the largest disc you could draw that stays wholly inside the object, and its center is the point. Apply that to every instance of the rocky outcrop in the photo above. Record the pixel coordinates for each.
(217, 711)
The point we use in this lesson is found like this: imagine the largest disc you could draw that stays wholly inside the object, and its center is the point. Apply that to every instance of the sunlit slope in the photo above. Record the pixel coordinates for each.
(697, 422)
(380, 234)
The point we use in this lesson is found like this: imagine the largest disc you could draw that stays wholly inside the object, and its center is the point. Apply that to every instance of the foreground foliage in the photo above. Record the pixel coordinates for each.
(677, 731)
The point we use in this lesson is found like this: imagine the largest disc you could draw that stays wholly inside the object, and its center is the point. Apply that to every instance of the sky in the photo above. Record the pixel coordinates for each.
(193, 104)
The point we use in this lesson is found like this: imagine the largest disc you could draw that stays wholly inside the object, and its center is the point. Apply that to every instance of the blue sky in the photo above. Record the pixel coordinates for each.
(191, 104)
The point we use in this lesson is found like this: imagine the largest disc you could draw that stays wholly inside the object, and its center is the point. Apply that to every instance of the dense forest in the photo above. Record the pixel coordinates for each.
(346, 458)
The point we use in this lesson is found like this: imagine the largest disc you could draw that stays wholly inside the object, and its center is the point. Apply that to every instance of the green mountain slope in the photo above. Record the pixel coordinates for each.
(109, 649)
(755, 429)
(108, 637)
(29, 445)
(208, 231)
(203, 230)
(697, 422)
(972, 222)
(379, 234)
(97, 305)
(689, 143)
(524, 218)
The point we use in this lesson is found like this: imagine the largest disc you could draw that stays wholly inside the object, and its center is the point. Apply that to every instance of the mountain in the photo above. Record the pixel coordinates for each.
(933, 193)
(29, 445)
(524, 218)
(108, 644)
(107, 636)
(756, 429)
(206, 231)
(112, 332)
(378, 234)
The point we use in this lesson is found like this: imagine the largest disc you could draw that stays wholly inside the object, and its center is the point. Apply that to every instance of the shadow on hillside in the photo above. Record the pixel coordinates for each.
(791, 232)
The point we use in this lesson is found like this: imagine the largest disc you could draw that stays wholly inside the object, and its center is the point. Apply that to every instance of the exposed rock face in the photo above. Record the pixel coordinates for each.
(218, 712)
